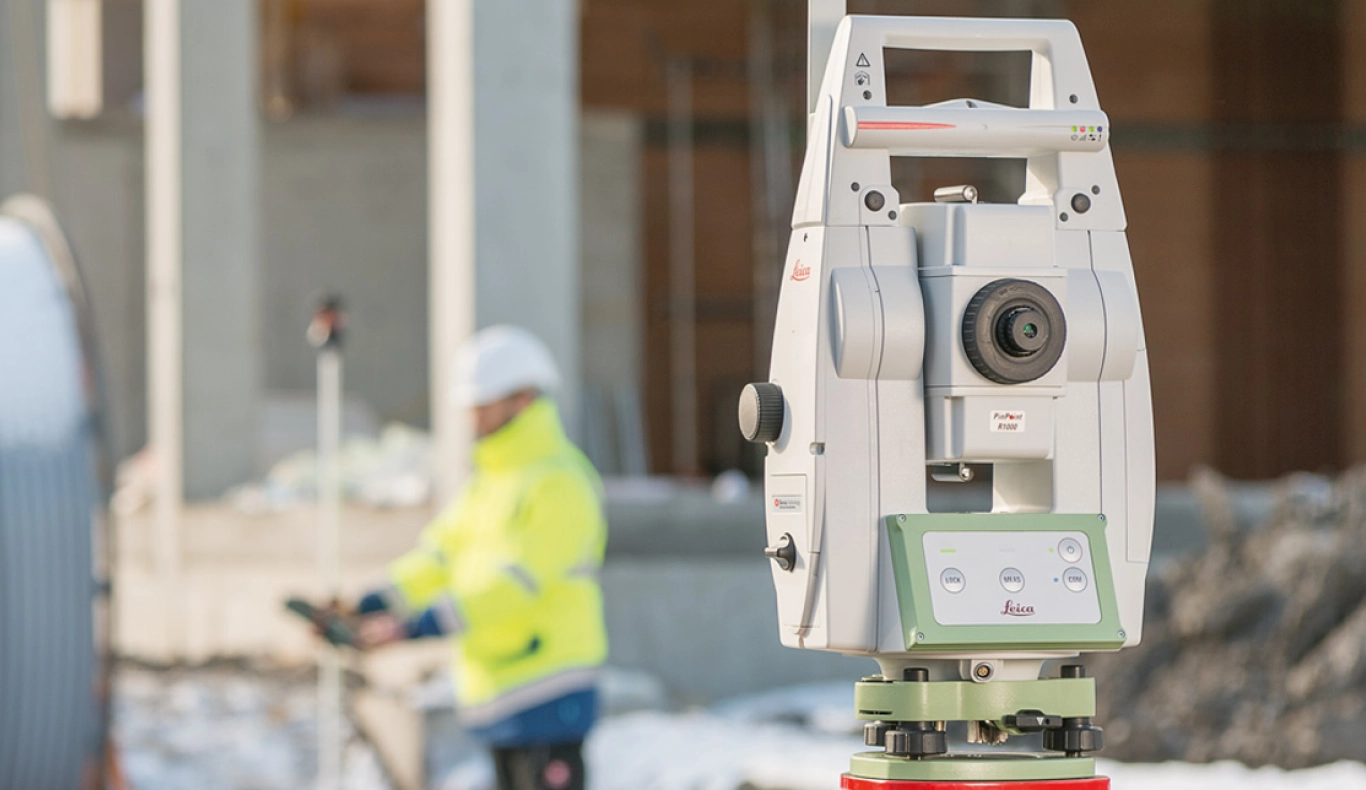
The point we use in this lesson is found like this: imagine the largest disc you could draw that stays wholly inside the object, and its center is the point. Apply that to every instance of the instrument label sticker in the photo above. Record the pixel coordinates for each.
(1007, 422)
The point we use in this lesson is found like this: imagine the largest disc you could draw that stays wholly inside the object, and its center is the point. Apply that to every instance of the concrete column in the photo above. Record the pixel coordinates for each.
(613, 290)
(165, 396)
(220, 193)
(202, 337)
(503, 101)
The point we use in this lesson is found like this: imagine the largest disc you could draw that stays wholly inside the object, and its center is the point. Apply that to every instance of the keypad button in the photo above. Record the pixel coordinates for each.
(953, 580)
(1012, 580)
(1075, 579)
(1070, 550)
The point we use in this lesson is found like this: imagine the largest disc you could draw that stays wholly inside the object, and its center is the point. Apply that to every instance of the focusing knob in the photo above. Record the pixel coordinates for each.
(761, 412)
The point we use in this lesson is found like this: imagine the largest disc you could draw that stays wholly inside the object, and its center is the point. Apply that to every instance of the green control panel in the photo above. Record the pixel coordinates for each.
(1004, 581)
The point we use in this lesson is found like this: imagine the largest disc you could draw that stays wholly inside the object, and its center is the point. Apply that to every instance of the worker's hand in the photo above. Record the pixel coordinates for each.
(378, 630)
(326, 613)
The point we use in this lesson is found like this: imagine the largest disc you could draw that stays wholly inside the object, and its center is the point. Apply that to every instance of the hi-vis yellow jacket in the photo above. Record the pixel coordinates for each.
(511, 568)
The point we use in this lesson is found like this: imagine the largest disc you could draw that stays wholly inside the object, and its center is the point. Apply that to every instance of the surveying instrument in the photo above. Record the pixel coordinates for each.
(926, 341)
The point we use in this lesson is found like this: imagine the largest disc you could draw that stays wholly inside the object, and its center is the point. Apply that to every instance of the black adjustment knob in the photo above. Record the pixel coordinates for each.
(916, 739)
(761, 412)
(1075, 737)
(875, 733)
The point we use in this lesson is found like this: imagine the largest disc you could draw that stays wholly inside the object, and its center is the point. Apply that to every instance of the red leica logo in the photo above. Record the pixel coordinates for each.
(1017, 610)
(799, 272)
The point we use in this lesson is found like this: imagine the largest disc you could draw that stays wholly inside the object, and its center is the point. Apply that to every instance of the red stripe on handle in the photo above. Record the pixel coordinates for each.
(848, 782)
(902, 126)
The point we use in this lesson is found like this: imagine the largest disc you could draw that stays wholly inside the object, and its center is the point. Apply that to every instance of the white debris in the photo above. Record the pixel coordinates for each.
(392, 471)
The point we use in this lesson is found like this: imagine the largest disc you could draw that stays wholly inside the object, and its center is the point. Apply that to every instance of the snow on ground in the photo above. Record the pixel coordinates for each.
(225, 728)
(704, 751)
(230, 728)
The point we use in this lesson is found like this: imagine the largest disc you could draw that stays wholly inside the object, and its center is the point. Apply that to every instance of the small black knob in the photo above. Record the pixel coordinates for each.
(761, 412)
(916, 739)
(785, 553)
(1075, 737)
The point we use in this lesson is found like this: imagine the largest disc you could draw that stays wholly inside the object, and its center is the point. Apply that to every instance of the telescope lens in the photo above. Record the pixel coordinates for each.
(1014, 331)
(1022, 331)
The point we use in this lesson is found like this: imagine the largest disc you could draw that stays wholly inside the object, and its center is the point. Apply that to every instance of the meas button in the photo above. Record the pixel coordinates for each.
(1074, 579)
(953, 580)
(1070, 550)
(1012, 580)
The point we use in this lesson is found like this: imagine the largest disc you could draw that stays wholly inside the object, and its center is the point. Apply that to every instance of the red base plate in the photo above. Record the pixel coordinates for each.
(848, 782)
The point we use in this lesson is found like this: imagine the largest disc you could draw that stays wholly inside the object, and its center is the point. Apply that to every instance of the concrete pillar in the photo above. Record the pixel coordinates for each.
(25, 128)
(613, 289)
(203, 165)
(503, 101)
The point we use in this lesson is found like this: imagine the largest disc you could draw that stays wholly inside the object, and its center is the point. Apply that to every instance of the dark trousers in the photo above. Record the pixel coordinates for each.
(558, 767)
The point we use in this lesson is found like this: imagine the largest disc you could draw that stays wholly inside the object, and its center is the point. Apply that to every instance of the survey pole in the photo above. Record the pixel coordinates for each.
(325, 334)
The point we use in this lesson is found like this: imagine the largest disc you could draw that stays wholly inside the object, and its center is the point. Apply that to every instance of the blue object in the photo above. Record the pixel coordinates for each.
(421, 627)
(54, 660)
(565, 719)
(372, 603)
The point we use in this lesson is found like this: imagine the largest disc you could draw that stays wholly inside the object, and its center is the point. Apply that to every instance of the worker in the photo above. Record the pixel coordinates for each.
(510, 571)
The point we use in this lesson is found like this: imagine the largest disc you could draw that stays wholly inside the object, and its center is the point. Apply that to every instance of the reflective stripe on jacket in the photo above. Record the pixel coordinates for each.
(511, 566)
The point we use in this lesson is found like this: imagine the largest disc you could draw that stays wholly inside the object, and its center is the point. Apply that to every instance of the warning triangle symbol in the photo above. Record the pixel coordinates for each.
(863, 61)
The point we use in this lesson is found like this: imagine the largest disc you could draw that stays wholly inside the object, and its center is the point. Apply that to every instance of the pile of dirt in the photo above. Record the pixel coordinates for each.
(1255, 649)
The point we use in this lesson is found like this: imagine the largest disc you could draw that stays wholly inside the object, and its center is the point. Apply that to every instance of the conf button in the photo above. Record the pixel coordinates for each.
(953, 580)
(1075, 579)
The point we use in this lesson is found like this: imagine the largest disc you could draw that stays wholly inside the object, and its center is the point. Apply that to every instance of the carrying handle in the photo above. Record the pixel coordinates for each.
(1055, 44)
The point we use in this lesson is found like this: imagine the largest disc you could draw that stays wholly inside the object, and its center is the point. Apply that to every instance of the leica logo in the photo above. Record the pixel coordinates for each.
(799, 272)
(1017, 610)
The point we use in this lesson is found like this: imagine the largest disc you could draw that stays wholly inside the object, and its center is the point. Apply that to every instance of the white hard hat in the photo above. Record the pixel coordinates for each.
(499, 361)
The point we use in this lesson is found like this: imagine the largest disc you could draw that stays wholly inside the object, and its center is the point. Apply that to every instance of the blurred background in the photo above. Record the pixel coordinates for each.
(617, 175)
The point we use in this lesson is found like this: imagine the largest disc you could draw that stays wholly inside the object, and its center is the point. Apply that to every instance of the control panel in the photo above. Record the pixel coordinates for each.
(1011, 578)
(1011, 581)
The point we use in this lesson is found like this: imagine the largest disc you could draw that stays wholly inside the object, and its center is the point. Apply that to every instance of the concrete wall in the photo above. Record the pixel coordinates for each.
(343, 209)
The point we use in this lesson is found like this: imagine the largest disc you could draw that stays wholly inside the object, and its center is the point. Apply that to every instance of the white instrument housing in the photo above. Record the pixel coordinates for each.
(868, 348)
